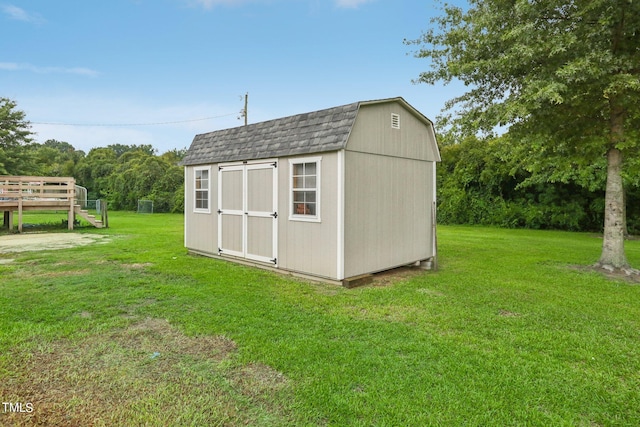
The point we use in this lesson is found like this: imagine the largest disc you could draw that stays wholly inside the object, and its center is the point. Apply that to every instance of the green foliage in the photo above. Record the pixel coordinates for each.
(485, 182)
(15, 140)
(56, 158)
(94, 171)
(140, 175)
(564, 62)
(120, 149)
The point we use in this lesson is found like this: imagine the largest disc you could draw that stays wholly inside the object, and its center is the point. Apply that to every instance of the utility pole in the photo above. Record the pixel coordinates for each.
(244, 112)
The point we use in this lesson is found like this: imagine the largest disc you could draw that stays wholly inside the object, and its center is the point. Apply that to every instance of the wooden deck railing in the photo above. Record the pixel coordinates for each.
(36, 193)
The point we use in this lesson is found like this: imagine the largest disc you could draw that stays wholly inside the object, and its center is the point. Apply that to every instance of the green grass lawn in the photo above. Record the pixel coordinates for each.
(134, 331)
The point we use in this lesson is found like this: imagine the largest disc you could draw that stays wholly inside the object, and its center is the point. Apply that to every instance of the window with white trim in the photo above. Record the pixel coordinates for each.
(305, 189)
(202, 189)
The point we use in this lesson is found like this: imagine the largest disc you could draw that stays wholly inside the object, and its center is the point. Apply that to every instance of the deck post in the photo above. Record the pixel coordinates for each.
(71, 193)
(20, 206)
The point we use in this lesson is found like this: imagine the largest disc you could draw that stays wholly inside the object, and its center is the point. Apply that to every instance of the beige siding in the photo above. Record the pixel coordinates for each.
(372, 133)
(387, 212)
(201, 229)
(309, 247)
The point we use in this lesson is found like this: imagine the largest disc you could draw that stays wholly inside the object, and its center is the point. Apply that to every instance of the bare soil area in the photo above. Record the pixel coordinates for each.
(46, 241)
(148, 369)
(629, 275)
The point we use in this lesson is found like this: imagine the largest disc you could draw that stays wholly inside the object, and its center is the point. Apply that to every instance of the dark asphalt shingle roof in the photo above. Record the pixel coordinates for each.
(315, 132)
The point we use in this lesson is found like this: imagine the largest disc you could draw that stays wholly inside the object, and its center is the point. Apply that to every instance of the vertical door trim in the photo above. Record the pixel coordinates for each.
(340, 216)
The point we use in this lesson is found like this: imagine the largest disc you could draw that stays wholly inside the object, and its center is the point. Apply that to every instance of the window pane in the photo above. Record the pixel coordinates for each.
(298, 169)
(201, 200)
(309, 168)
(298, 196)
(297, 181)
(310, 196)
(300, 209)
(202, 179)
(311, 209)
(310, 182)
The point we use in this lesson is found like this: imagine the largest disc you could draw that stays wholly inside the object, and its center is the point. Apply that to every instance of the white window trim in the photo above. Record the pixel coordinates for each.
(200, 210)
(306, 218)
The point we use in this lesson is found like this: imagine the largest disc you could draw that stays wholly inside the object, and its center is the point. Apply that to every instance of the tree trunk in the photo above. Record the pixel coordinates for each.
(613, 255)
(625, 230)
(613, 243)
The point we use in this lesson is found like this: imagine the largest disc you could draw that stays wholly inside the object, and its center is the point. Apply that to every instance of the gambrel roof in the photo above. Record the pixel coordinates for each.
(315, 132)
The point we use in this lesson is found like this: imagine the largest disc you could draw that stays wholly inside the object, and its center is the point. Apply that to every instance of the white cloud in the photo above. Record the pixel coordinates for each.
(18, 14)
(12, 66)
(351, 4)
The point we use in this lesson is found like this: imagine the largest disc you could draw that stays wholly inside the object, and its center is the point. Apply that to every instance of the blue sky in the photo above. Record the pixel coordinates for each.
(71, 65)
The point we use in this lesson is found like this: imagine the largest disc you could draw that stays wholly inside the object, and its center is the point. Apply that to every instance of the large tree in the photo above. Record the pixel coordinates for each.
(562, 75)
(15, 140)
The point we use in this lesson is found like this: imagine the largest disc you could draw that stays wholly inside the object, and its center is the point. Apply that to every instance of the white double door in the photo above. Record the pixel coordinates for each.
(247, 211)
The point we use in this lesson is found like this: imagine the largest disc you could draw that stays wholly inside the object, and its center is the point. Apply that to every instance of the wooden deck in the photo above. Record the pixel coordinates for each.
(28, 193)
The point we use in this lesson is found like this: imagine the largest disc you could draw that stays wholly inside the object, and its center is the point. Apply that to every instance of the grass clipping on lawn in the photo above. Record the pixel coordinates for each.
(148, 372)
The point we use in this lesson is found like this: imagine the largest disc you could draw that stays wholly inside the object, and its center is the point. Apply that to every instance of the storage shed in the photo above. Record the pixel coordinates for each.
(333, 194)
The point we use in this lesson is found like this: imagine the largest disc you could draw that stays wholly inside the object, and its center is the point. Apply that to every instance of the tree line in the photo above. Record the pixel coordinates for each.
(489, 182)
(121, 174)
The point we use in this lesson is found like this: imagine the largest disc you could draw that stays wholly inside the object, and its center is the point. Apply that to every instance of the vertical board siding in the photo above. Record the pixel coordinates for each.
(309, 247)
(389, 190)
(372, 133)
(201, 229)
(387, 212)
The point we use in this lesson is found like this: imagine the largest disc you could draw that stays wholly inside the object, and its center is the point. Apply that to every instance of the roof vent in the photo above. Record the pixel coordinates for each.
(395, 121)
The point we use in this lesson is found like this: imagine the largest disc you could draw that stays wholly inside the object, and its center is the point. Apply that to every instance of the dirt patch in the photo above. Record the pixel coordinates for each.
(390, 277)
(137, 265)
(46, 241)
(507, 313)
(629, 275)
(148, 373)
